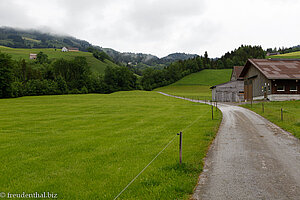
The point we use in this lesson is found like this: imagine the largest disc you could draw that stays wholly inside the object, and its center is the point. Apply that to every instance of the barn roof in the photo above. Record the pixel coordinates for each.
(275, 68)
(237, 70)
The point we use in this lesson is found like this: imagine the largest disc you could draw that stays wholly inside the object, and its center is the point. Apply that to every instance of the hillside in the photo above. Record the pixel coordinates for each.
(19, 38)
(95, 64)
(197, 85)
(28, 39)
(293, 55)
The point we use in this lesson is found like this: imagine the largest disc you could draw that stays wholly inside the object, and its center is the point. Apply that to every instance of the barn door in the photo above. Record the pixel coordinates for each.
(250, 91)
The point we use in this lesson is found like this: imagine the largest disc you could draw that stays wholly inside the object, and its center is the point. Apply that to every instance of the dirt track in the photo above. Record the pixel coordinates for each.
(250, 158)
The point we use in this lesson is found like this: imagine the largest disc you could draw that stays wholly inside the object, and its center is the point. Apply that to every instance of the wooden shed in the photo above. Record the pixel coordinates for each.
(272, 79)
(232, 91)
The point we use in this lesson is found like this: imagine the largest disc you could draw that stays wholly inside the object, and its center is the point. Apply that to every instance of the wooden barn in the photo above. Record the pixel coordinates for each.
(232, 91)
(272, 79)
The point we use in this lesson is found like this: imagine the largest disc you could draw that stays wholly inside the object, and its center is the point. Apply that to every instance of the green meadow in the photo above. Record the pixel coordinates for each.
(272, 111)
(197, 85)
(95, 64)
(91, 146)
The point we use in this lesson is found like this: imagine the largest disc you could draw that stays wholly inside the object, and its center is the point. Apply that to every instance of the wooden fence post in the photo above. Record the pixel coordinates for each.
(212, 112)
(180, 147)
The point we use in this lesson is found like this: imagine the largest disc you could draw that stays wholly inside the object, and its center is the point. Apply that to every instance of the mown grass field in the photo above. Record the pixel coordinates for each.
(295, 55)
(272, 111)
(91, 146)
(95, 64)
(197, 85)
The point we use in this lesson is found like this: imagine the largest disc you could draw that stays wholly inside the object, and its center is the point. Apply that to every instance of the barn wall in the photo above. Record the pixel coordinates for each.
(287, 84)
(259, 82)
(229, 92)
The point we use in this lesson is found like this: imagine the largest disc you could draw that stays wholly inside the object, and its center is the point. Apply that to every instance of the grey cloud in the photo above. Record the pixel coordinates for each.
(13, 14)
(152, 15)
(160, 26)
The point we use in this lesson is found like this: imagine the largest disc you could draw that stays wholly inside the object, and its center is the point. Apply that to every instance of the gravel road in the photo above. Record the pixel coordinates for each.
(250, 158)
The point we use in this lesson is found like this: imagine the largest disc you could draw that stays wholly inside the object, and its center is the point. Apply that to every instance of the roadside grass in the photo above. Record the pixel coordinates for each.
(91, 146)
(197, 85)
(272, 112)
(295, 55)
(95, 64)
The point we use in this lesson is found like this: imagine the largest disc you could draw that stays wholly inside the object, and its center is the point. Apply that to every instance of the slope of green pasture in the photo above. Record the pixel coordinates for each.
(272, 111)
(293, 55)
(91, 146)
(207, 77)
(95, 64)
(197, 85)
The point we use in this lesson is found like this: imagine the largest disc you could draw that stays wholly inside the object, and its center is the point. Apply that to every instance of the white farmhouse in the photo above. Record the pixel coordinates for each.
(64, 49)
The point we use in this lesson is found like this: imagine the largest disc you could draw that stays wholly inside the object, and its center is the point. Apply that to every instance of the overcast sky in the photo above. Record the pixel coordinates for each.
(161, 27)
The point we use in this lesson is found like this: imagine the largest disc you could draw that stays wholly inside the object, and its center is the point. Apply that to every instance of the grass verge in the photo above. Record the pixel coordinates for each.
(272, 112)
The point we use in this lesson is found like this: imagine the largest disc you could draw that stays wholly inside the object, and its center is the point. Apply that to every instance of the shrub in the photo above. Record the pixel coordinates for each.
(84, 90)
(17, 89)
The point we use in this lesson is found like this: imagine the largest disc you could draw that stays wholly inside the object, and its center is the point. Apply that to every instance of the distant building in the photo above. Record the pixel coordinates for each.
(32, 56)
(64, 49)
(273, 54)
(232, 91)
(73, 49)
(273, 79)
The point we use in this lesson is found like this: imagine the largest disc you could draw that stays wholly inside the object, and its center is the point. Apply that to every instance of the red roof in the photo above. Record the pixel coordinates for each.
(275, 68)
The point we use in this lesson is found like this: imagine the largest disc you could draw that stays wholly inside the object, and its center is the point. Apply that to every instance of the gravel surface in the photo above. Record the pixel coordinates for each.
(250, 158)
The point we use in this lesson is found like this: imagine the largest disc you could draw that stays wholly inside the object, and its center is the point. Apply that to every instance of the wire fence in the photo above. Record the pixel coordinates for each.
(145, 167)
(170, 142)
(276, 111)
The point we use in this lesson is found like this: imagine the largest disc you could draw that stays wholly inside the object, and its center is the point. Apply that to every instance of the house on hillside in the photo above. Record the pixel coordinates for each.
(232, 91)
(64, 49)
(32, 56)
(273, 79)
(273, 54)
(73, 49)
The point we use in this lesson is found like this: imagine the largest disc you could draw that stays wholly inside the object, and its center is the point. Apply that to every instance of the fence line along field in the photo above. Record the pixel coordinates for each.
(91, 146)
(272, 111)
(95, 64)
(197, 85)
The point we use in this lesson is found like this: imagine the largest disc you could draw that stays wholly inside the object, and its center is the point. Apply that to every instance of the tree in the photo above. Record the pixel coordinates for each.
(6, 75)
(41, 58)
(62, 87)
